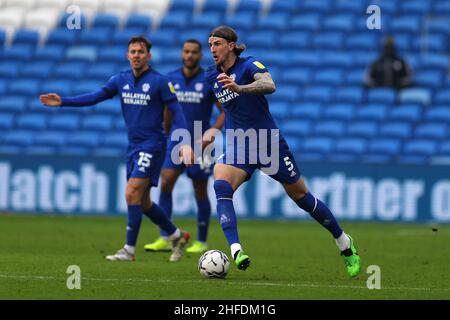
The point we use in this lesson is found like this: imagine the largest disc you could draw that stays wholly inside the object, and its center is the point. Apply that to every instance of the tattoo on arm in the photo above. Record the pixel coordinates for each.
(263, 84)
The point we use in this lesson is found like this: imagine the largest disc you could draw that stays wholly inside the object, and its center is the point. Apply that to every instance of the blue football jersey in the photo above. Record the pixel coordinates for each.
(242, 111)
(143, 100)
(195, 97)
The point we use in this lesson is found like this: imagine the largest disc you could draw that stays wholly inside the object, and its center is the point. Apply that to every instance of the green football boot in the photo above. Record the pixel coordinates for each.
(242, 260)
(159, 244)
(197, 247)
(351, 259)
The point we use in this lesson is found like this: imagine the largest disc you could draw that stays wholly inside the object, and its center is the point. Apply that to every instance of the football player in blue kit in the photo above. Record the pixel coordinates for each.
(144, 94)
(241, 84)
(196, 99)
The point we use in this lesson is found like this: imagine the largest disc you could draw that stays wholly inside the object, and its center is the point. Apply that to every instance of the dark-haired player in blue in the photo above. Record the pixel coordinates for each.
(240, 85)
(144, 94)
(196, 99)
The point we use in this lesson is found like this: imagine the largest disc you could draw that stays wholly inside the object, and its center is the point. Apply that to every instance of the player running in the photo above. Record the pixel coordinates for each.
(196, 99)
(144, 94)
(240, 85)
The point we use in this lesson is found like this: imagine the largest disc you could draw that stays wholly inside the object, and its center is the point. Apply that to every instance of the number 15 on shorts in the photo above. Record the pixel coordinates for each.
(144, 159)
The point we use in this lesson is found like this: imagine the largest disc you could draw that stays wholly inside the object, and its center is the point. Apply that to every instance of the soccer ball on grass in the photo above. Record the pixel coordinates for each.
(213, 264)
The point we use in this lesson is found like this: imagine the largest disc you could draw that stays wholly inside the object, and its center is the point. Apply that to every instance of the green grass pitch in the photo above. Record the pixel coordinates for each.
(290, 260)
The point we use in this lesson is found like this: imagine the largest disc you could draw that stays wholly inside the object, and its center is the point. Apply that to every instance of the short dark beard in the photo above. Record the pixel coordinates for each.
(194, 66)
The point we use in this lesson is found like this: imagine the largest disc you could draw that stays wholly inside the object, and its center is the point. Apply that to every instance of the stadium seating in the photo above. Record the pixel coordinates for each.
(317, 51)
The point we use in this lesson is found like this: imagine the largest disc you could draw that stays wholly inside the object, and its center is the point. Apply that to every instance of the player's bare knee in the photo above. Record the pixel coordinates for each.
(133, 195)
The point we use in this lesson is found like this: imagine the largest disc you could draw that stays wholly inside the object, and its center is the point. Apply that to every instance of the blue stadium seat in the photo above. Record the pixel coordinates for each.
(119, 123)
(351, 145)
(273, 21)
(105, 20)
(32, 121)
(198, 34)
(39, 70)
(364, 129)
(442, 96)
(113, 54)
(9, 69)
(279, 109)
(97, 122)
(376, 112)
(441, 7)
(48, 52)
(406, 112)
(431, 43)
(262, 39)
(164, 37)
(415, 95)
(300, 76)
(305, 59)
(19, 137)
(18, 52)
(381, 95)
(215, 7)
(123, 36)
(10, 103)
(415, 7)
(84, 139)
(328, 77)
(409, 23)
(71, 70)
(355, 77)
(445, 148)
(319, 145)
(51, 138)
(3, 85)
(24, 87)
(437, 61)
(362, 41)
(341, 111)
(318, 94)
(40, 150)
(297, 127)
(241, 20)
(283, 6)
(385, 146)
(349, 6)
(404, 42)
(401, 130)
(287, 93)
(61, 87)
(249, 6)
(64, 122)
(2, 38)
(182, 5)
(299, 39)
(341, 22)
(329, 128)
(87, 86)
(6, 121)
(431, 131)
(350, 94)
(99, 37)
(115, 140)
(438, 26)
(420, 147)
(78, 151)
(438, 113)
(10, 149)
(137, 21)
(110, 106)
(304, 22)
(81, 53)
(430, 78)
(176, 20)
(320, 6)
(328, 40)
(28, 37)
(307, 110)
(101, 71)
(62, 37)
(108, 152)
(206, 21)
(34, 105)
(364, 59)
(337, 60)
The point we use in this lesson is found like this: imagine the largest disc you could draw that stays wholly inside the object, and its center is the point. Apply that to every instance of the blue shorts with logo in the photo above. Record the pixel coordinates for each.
(145, 164)
(285, 169)
(201, 170)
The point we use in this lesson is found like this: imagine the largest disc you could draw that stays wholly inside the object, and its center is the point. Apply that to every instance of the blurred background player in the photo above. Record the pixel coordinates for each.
(241, 84)
(196, 99)
(144, 93)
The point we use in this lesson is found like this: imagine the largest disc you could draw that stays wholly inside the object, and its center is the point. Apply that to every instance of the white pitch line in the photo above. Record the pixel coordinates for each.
(303, 285)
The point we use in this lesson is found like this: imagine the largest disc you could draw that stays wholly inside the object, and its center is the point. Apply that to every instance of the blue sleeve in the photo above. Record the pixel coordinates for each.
(167, 91)
(255, 66)
(108, 91)
(179, 121)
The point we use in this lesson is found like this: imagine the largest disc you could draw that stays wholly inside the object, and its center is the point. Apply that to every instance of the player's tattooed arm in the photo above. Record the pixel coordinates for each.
(263, 84)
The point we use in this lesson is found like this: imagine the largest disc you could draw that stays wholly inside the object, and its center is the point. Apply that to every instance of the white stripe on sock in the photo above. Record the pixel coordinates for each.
(315, 205)
(224, 198)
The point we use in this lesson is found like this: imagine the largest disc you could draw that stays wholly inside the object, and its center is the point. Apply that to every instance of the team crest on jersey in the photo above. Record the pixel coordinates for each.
(171, 88)
(233, 76)
(199, 86)
(216, 85)
(177, 86)
(145, 87)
